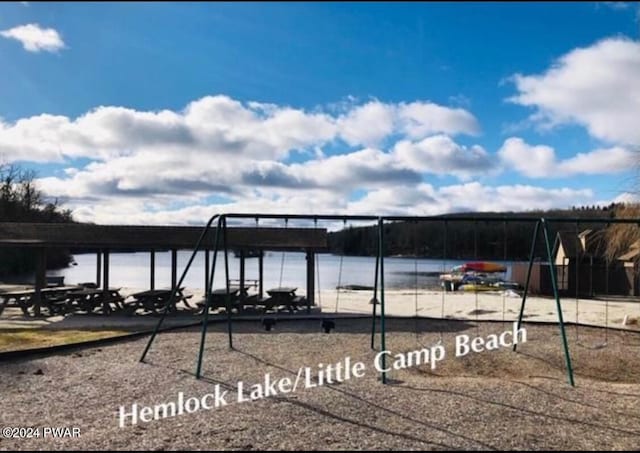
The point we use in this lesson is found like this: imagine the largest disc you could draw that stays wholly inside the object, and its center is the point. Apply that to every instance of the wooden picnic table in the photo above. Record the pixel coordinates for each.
(93, 299)
(218, 298)
(64, 299)
(154, 300)
(56, 299)
(52, 299)
(19, 298)
(283, 296)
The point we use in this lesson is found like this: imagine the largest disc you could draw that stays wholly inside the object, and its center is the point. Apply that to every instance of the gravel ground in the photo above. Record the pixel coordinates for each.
(489, 400)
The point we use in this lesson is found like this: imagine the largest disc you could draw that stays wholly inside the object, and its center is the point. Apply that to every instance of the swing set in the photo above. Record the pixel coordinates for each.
(328, 322)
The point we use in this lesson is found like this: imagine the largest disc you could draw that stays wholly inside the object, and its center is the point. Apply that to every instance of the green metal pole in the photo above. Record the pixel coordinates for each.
(552, 270)
(375, 303)
(207, 303)
(226, 274)
(526, 285)
(175, 290)
(382, 316)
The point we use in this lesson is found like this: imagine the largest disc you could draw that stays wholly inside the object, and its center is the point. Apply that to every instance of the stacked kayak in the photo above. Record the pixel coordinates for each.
(480, 266)
(477, 276)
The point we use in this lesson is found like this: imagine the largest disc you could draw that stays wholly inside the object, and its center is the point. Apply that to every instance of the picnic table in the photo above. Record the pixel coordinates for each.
(283, 296)
(93, 299)
(18, 298)
(218, 298)
(55, 300)
(154, 300)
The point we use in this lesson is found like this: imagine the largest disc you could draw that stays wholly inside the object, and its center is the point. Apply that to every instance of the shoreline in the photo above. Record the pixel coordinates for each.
(402, 303)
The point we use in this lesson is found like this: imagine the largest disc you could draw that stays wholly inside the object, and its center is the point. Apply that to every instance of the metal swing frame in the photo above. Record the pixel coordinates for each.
(379, 288)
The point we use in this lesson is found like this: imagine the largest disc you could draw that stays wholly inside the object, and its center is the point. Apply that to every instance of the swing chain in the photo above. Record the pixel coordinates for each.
(286, 223)
(340, 269)
(317, 258)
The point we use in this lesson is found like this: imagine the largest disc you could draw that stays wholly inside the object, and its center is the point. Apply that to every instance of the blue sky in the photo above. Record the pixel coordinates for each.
(170, 111)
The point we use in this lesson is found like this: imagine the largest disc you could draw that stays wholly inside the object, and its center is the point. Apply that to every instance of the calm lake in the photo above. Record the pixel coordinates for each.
(131, 270)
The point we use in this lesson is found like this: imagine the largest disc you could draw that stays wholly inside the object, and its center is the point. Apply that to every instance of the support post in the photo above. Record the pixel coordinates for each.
(382, 317)
(98, 270)
(152, 270)
(40, 279)
(311, 290)
(207, 265)
(174, 269)
(105, 283)
(528, 280)
(242, 263)
(261, 274)
(563, 334)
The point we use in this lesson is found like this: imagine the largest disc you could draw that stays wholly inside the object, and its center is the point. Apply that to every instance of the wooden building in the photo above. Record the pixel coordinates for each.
(582, 268)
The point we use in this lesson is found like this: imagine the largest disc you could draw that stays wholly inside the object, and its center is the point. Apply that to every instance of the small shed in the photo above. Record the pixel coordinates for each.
(629, 262)
(540, 282)
(583, 269)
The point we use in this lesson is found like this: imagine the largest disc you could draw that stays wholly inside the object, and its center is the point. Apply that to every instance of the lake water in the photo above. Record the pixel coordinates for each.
(132, 270)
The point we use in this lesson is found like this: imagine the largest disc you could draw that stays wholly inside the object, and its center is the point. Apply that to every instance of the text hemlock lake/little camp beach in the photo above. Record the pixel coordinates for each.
(310, 377)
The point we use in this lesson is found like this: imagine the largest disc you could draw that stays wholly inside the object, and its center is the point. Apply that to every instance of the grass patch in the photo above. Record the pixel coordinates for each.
(19, 339)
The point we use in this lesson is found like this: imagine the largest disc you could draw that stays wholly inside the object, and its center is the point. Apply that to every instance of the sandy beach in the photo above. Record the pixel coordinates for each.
(485, 306)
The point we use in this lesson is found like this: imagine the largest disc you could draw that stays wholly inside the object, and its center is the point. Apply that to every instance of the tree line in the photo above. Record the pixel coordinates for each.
(467, 240)
(22, 201)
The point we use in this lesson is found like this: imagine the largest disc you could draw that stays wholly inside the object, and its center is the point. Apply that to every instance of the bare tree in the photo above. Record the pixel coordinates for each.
(620, 237)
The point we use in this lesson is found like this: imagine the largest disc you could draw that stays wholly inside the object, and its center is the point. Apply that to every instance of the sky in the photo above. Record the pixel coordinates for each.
(167, 113)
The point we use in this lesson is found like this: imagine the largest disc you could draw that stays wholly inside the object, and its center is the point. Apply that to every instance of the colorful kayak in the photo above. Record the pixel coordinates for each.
(479, 266)
(475, 288)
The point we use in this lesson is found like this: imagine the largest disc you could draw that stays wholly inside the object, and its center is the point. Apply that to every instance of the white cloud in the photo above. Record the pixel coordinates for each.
(625, 197)
(601, 161)
(517, 197)
(222, 155)
(596, 87)
(363, 168)
(368, 124)
(531, 161)
(216, 126)
(218, 146)
(419, 119)
(617, 5)
(418, 199)
(540, 161)
(474, 196)
(35, 38)
(371, 123)
(439, 154)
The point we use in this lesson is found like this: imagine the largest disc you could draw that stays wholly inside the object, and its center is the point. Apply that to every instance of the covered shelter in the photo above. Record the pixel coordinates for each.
(105, 239)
